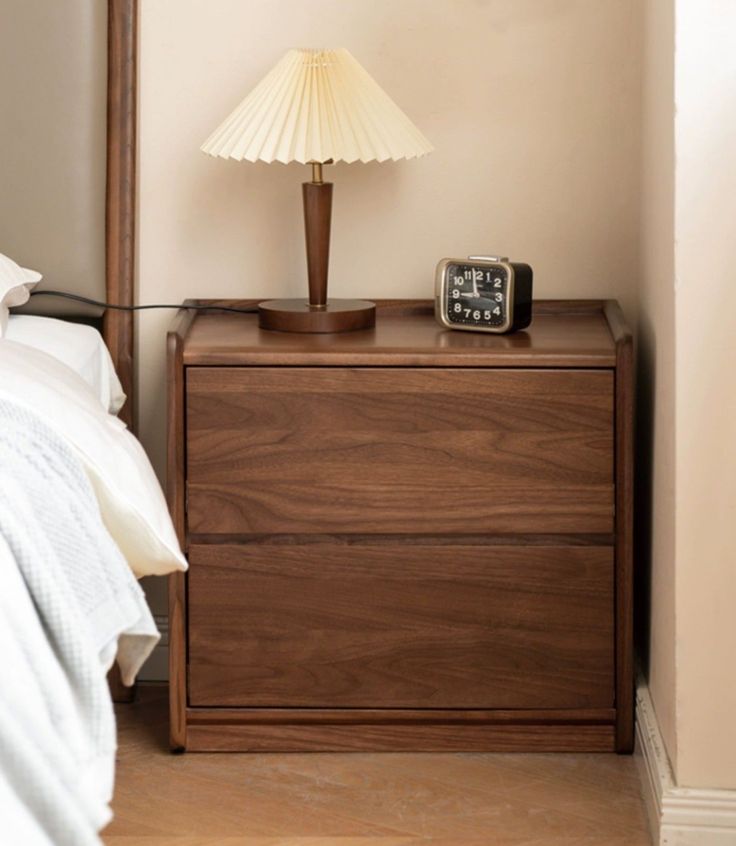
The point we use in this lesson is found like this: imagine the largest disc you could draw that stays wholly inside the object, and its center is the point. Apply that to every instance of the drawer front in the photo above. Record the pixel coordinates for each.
(393, 450)
(389, 625)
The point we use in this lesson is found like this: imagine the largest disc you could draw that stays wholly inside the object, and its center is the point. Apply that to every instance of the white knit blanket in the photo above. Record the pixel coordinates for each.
(68, 604)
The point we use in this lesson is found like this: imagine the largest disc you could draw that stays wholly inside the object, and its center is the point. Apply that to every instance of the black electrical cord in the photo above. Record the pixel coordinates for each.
(89, 301)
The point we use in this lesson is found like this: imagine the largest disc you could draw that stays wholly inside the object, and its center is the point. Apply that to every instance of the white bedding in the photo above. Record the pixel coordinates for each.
(81, 515)
(78, 346)
(68, 604)
(130, 497)
(16, 283)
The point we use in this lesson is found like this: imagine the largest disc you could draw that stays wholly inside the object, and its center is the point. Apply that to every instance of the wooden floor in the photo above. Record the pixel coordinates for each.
(360, 799)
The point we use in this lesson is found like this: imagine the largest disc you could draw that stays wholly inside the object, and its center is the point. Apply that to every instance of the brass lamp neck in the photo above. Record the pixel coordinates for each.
(317, 171)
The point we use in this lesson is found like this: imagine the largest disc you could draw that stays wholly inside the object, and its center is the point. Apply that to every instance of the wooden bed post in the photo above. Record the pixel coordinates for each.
(121, 191)
(120, 200)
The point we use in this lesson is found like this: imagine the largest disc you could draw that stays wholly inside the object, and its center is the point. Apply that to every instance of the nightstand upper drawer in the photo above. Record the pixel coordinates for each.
(395, 450)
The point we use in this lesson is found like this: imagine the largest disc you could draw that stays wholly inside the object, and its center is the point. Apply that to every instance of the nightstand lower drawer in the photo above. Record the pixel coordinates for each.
(386, 624)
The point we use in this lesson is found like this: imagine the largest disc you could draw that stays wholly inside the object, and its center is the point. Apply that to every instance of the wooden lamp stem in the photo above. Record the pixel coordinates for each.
(317, 214)
(317, 314)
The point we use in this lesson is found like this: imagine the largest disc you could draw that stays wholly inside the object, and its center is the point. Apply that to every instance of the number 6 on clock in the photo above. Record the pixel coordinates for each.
(483, 294)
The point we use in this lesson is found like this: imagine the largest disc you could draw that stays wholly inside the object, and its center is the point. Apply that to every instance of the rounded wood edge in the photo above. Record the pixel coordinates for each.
(625, 563)
(617, 325)
(176, 502)
(297, 316)
(177, 663)
(624, 472)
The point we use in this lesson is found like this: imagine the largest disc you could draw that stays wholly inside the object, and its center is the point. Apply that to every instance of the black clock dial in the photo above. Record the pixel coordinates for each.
(476, 295)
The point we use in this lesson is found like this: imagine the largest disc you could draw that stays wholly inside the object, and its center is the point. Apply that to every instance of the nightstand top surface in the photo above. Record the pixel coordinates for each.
(562, 334)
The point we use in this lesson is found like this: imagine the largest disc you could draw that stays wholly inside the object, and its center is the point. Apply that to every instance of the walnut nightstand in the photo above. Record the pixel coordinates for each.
(403, 538)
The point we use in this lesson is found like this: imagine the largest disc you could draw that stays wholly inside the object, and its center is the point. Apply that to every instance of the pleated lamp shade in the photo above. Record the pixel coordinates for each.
(316, 106)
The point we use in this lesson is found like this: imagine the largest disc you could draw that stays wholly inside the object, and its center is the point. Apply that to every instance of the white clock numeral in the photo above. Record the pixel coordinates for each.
(497, 310)
(497, 283)
(477, 275)
(467, 312)
(467, 273)
(458, 307)
(486, 315)
(499, 298)
(458, 281)
(455, 293)
(476, 315)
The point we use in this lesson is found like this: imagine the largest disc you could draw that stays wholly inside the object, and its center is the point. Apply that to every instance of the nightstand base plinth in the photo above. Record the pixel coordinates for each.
(298, 316)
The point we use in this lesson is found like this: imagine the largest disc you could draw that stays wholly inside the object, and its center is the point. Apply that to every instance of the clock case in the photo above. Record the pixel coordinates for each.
(518, 297)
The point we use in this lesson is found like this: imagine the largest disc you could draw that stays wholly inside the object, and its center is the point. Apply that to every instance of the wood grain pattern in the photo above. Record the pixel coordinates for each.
(392, 626)
(117, 326)
(406, 333)
(362, 799)
(350, 539)
(425, 730)
(368, 716)
(175, 494)
(409, 737)
(624, 528)
(326, 610)
(399, 450)
(317, 201)
(120, 195)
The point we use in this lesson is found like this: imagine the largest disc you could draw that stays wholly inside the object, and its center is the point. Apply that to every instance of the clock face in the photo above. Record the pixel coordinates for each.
(476, 295)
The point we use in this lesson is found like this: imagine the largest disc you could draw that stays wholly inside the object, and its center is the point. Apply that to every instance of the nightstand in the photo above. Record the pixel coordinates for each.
(403, 538)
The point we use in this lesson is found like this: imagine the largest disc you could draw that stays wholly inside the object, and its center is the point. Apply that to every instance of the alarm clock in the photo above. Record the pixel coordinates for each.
(483, 294)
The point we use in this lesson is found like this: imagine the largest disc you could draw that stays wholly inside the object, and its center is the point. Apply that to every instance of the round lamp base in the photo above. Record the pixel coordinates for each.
(299, 316)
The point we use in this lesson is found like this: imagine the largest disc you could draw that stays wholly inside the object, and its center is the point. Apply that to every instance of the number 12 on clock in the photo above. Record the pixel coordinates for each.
(483, 294)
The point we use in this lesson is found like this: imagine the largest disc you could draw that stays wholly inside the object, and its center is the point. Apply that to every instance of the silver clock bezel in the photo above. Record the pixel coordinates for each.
(440, 298)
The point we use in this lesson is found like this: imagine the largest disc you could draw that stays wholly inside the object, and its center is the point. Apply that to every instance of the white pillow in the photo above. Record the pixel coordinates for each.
(15, 287)
(130, 498)
(78, 346)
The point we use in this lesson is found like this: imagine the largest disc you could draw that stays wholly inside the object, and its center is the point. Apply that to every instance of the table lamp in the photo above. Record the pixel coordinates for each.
(317, 107)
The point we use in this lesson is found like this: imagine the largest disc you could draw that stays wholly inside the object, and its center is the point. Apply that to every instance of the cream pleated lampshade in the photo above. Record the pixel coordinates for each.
(317, 105)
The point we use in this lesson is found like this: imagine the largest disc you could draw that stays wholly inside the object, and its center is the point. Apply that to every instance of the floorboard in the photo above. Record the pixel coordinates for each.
(405, 799)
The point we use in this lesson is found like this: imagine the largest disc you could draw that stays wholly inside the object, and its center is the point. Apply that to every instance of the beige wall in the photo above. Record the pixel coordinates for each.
(656, 365)
(533, 108)
(686, 294)
(705, 74)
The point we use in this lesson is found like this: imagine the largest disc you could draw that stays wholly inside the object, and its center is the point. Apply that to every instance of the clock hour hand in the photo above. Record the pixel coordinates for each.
(475, 293)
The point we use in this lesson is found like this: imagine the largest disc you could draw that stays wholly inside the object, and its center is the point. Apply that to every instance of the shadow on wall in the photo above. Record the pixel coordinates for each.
(646, 369)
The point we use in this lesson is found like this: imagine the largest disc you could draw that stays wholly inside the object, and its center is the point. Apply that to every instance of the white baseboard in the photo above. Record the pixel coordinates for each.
(156, 667)
(678, 816)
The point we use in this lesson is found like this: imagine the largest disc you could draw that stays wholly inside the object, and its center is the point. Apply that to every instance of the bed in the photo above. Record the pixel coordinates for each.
(82, 516)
